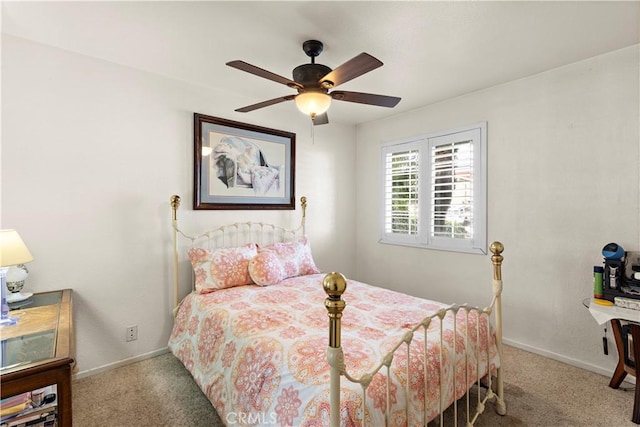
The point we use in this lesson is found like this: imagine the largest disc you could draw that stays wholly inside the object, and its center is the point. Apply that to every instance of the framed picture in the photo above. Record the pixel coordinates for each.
(242, 166)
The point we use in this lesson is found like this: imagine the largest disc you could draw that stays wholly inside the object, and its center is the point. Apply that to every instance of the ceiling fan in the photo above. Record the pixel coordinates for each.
(313, 82)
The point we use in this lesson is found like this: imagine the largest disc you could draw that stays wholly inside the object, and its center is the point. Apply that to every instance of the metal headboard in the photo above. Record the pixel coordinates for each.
(234, 234)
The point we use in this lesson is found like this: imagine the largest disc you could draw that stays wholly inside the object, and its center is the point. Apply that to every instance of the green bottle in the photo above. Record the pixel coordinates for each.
(597, 282)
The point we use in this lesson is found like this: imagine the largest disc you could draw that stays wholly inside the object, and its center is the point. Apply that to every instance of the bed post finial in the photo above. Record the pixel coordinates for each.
(496, 249)
(334, 285)
(175, 204)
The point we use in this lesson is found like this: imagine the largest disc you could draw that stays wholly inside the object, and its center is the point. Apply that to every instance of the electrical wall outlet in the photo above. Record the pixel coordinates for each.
(132, 333)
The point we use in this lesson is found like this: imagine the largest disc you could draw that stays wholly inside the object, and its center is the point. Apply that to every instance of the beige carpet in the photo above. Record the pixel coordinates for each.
(539, 392)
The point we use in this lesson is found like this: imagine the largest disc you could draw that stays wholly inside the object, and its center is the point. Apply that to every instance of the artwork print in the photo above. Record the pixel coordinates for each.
(241, 166)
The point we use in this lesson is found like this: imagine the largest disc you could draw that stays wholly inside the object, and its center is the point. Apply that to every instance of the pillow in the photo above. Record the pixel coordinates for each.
(266, 269)
(295, 257)
(222, 268)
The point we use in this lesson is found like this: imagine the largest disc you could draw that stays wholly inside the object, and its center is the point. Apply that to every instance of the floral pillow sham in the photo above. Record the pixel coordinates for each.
(222, 268)
(295, 257)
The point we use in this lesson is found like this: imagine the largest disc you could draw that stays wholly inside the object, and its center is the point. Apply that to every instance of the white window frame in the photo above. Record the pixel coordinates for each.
(423, 238)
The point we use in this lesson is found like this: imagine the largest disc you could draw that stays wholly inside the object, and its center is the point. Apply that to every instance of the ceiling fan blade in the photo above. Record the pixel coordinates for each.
(265, 103)
(351, 69)
(320, 119)
(244, 66)
(366, 98)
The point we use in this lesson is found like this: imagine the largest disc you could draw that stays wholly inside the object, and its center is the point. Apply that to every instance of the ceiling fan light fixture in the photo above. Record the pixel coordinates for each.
(313, 103)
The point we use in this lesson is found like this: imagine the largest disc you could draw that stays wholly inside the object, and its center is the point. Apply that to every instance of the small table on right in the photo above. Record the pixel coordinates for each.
(615, 314)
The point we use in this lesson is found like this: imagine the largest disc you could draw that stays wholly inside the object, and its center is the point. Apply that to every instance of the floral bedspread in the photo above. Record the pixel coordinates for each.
(259, 353)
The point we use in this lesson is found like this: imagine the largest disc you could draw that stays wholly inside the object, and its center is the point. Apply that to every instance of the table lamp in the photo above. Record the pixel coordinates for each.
(13, 251)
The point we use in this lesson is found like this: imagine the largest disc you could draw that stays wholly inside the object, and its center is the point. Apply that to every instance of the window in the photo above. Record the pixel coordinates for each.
(434, 191)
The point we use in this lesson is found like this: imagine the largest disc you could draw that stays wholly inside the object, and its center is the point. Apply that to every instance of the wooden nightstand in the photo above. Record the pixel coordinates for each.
(39, 350)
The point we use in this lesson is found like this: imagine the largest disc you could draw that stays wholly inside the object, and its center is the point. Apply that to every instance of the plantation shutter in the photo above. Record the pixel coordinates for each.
(451, 190)
(401, 191)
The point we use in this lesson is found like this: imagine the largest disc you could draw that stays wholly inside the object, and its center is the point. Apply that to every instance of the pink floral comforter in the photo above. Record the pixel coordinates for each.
(259, 353)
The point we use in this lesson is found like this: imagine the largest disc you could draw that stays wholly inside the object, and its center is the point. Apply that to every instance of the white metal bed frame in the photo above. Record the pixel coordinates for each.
(335, 284)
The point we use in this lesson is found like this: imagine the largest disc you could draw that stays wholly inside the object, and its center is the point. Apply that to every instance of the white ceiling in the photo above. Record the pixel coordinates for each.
(431, 50)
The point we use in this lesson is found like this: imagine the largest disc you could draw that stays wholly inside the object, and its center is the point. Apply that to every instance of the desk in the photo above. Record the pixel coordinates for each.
(39, 350)
(615, 314)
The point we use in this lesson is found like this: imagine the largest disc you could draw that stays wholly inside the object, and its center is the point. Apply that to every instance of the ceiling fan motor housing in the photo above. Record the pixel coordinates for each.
(309, 75)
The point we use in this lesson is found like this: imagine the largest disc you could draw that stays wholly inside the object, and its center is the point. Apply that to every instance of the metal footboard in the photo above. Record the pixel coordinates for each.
(335, 285)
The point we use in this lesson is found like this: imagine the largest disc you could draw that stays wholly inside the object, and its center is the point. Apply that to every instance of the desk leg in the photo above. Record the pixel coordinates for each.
(619, 373)
(635, 333)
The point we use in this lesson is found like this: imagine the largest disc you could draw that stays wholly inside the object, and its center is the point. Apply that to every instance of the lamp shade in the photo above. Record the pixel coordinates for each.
(313, 103)
(13, 251)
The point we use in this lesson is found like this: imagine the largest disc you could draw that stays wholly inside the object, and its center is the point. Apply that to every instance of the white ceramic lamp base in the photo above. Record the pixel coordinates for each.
(5, 319)
(18, 296)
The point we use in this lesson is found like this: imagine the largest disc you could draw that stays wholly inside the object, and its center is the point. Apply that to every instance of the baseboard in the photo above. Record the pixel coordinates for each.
(564, 359)
(120, 363)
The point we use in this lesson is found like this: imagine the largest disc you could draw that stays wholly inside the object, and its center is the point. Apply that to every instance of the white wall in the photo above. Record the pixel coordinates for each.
(92, 151)
(563, 177)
